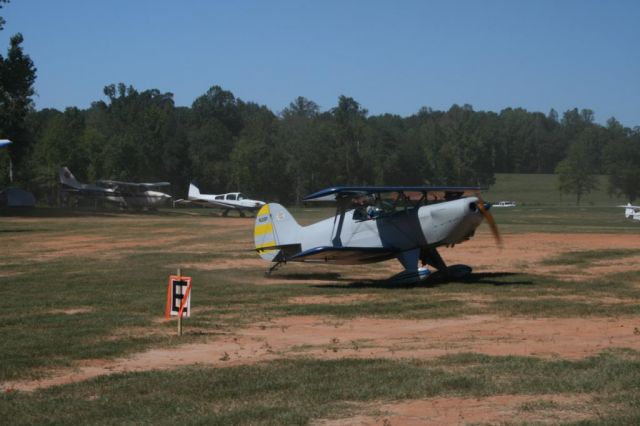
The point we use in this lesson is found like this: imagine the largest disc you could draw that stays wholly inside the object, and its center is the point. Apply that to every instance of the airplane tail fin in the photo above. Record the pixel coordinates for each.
(275, 229)
(194, 192)
(67, 178)
(629, 212)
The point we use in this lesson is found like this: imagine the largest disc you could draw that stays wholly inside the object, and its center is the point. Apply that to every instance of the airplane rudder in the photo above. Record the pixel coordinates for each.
(264, 234)
(67, 177)
(193, 190)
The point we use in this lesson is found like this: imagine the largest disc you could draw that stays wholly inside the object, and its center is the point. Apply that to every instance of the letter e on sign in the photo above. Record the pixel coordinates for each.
(178, 296)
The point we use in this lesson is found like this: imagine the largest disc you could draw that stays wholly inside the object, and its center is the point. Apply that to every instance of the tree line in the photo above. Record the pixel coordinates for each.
(227, 144)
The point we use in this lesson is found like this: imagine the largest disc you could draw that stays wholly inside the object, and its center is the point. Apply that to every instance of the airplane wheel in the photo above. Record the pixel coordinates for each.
(458, 272)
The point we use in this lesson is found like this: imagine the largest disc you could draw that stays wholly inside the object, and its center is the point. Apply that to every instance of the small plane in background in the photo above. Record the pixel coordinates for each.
(226, 202)
(505, 204)
(377, 223)
(632, 212)
(125, 194)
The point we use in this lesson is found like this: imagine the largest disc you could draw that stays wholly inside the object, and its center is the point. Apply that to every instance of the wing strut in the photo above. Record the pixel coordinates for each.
(341, 209)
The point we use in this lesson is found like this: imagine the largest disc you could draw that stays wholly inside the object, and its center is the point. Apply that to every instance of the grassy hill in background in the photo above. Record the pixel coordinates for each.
(542, 189)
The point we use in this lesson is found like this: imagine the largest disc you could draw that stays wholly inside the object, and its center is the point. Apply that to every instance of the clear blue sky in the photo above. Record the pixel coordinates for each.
(391, 56)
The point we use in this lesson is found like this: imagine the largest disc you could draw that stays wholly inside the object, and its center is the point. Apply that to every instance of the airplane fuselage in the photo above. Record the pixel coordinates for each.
(225, 201)
(139, 199)
(432, 225)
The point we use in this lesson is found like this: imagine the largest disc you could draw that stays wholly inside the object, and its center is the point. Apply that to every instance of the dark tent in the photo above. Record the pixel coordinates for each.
(14, 197)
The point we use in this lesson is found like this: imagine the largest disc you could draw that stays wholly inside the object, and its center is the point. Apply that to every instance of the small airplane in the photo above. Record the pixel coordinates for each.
(505, 204)
(125, 194)
(632, 212)
(226, 202)
(377, 223)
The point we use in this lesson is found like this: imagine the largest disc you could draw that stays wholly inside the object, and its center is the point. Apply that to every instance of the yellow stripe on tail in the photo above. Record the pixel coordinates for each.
(263, 236)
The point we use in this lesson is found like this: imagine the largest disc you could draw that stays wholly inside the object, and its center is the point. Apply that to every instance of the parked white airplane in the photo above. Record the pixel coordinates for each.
(125, 194)
(632, 212)
(226, 202)
(505, 204)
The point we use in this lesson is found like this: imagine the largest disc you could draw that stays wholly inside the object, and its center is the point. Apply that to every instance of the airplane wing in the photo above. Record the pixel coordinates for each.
(443, 192)
(133, 185)
(4, 142)
(343, 255)
(630, 207)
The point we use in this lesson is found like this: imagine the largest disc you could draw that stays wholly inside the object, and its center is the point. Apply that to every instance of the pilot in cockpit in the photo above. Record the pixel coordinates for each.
(366, 208)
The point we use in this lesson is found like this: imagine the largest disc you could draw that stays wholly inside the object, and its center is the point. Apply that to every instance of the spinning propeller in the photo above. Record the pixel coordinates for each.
(484, 209)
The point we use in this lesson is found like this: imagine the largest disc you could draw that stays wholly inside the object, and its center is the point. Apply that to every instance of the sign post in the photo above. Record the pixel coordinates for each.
(178, 298)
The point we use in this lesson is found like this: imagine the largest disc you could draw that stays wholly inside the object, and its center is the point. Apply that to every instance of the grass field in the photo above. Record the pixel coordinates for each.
(542, 189)
(546, 331)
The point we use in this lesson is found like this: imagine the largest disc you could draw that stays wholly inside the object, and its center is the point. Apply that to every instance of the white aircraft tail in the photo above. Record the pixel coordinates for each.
(275, 228)
(67, 178)
(194, 192)
(628, 212)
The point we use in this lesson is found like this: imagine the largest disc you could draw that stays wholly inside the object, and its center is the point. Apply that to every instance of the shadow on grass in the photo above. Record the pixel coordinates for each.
(318, 276)
(18, 230)
(434, 280)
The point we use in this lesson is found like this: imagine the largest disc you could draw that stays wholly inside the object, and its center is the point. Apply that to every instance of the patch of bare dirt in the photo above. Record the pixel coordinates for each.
(526, 253)
(72, 311)
(318, 337)
(551, 409)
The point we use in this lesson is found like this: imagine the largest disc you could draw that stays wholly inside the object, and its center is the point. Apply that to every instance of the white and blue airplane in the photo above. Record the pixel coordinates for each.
(377, 223)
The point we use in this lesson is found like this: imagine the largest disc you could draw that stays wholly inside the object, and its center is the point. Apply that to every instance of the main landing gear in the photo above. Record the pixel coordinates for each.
(427, 256)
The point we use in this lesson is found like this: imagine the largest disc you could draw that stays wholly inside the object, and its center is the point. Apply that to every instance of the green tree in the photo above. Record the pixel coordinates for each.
(577, 172)
(622, 155)
(2, 21)
(17, 76)
(210, 146)
(221, 105)
(350, 122)
(258, 160)
(298, 128)
(136, 126)
(60, 143)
